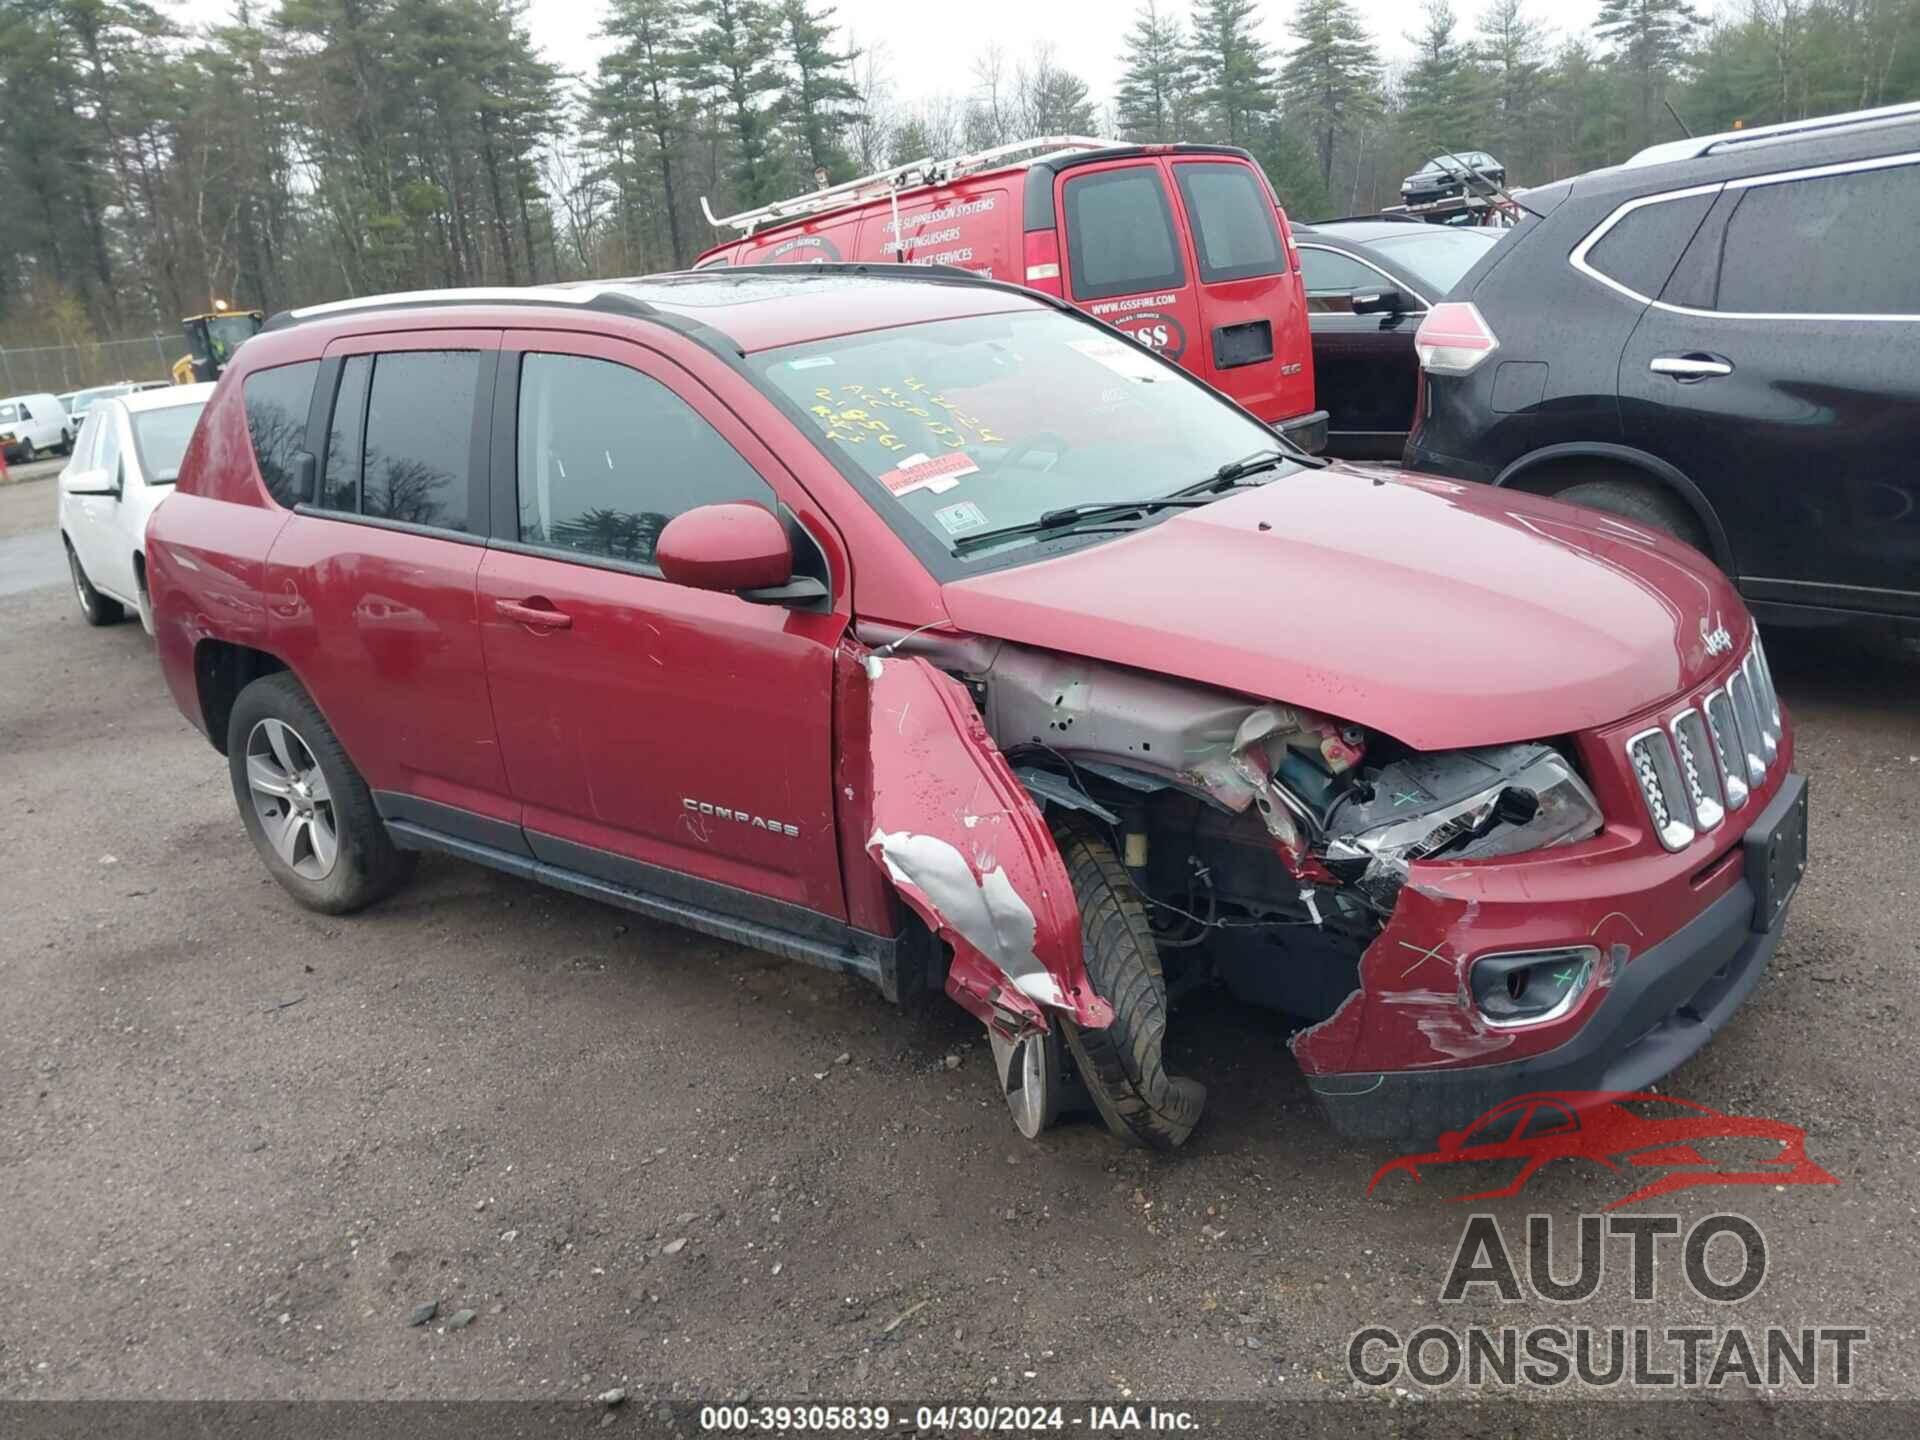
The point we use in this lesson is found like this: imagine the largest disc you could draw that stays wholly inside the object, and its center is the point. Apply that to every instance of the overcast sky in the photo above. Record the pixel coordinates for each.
(929, 49)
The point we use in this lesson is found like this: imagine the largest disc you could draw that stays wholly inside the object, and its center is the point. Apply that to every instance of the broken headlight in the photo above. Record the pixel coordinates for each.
(1458, 805)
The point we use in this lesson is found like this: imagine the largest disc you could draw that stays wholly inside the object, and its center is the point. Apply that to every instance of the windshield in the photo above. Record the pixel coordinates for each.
(9, 413)
(957, 427)
(1438, 255)
(161, 438)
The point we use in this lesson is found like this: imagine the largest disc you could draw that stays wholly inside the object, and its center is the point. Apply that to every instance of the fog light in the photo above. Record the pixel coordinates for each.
(1531, 987)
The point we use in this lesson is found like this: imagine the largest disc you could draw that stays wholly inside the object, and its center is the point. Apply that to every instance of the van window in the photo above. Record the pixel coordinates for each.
(418, 460)
(1234, 232)
(1120, 235)
(607, 456)
(9, 413)
(277, 401)
(1644, 245)
(1822, 246)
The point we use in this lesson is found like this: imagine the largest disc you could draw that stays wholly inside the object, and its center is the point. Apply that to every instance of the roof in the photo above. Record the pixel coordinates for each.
(1364, 232)
(166, 398)
(746, 307)
(1726, 141)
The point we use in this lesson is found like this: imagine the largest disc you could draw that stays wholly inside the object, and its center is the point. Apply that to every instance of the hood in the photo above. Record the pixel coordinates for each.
(1440, 613)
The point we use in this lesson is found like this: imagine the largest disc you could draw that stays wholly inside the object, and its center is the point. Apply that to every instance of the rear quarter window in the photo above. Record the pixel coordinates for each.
(277, 402)
(1644, 245)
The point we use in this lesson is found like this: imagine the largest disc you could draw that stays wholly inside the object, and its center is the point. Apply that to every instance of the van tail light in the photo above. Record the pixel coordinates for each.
(1043, 262)
(1286, 238)
(1453, 339)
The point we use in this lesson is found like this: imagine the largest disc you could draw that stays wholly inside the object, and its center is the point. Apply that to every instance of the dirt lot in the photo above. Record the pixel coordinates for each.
(239, 1143)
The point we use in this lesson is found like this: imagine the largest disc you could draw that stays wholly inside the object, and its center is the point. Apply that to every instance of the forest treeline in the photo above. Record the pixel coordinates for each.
(309, 149)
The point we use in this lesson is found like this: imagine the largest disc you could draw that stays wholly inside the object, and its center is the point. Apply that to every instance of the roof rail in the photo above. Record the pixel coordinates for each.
(884, 183)
(1726, 141)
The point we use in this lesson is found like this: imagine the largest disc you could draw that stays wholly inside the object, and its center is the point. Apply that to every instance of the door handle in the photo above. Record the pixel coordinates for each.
(536, 611)
(1696, 366)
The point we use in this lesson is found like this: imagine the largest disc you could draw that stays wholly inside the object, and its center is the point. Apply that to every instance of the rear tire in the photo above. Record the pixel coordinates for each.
(1642, 503)
(29, 452)
(95, 608)
(307, 809)
(1122, 1065)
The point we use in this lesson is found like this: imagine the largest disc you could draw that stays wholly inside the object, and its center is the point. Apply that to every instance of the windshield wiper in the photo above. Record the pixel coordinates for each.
(1067, 515)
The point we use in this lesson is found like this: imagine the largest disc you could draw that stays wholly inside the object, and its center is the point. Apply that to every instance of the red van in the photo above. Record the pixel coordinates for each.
(1183, 248)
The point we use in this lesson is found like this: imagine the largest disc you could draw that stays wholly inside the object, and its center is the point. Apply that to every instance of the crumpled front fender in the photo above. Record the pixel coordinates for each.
(964, 844)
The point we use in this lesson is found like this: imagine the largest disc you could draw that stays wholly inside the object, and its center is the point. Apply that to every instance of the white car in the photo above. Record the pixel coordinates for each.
(124, 464)
(32, 425)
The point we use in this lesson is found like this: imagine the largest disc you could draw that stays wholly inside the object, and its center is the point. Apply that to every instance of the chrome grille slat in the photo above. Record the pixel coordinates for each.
(1711, 755)
(1697, 768)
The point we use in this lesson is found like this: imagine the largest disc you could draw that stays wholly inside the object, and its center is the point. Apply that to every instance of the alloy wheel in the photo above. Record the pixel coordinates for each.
(292, 800)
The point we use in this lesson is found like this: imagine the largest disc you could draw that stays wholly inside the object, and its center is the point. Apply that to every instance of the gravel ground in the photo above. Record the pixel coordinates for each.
(240, 1143)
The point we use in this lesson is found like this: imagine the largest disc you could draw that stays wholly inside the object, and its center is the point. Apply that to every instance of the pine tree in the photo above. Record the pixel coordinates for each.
(820, 101)
(1510, 47)
(1440, 101)
(638, 96)
(1233, 66)
(1651, 42)
(1154, 99)
(1331, 80)
(735, 52)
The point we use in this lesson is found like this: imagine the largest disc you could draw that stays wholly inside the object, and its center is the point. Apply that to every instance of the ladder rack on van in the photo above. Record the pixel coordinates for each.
(883, 184)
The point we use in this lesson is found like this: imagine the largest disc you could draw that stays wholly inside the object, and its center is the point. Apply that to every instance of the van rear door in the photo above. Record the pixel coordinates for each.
(1124, 261)
(1254, 343)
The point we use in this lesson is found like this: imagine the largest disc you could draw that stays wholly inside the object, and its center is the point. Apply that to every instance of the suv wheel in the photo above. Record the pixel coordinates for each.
(1122, 1065)
(310, 814)
(95, 608)
(1642, 503)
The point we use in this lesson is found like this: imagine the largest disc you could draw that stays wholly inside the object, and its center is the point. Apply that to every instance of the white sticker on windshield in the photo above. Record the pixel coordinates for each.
(1122, 357)
(958, 519)
(939, 474)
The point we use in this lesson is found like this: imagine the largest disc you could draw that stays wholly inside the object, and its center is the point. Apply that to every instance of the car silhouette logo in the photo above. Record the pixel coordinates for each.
(1678, 1144)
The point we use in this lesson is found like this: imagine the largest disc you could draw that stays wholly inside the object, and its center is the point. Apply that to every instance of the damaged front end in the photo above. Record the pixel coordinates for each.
(1273, 849)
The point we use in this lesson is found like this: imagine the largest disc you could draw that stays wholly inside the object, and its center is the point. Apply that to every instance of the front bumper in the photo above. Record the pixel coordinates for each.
(1660, 1011)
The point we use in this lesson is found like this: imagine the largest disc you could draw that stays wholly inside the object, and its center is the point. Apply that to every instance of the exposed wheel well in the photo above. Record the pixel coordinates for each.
(221, 670)
(1556, 473)
(140, 572)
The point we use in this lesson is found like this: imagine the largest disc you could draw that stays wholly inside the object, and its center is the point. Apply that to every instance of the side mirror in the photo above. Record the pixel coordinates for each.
(735, 547)
(87, 482)
(1388, 301)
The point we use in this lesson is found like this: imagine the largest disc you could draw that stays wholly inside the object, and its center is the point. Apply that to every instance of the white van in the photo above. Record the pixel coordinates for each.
(31, 425)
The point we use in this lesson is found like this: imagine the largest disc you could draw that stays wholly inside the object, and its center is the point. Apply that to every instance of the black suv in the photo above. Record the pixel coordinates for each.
(1719, 338)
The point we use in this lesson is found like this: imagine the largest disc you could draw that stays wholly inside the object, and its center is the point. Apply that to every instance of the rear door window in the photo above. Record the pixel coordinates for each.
(607, 455)
(418, 449)
(1824, 246)
(277, 402)
(1120, 233)
(1234, 232)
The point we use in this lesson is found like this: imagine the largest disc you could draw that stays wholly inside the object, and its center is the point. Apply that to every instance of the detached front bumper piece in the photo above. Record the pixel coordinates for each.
(1662, 1008)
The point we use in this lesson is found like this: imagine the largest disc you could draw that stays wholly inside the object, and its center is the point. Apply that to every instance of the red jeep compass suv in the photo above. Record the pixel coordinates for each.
(918, 626)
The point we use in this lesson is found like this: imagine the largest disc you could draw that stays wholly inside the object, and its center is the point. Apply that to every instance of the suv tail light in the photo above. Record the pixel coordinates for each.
(1453, 339)
(1043, 262)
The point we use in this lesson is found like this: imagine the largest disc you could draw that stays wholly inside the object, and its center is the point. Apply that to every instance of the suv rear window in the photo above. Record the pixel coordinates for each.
(1822, 246)
(1233, 229)
(277, 402)
(1120, 236)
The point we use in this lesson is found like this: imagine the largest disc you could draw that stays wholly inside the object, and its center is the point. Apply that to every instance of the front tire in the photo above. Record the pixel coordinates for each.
(307, 809)
(1123, 1065)
(95, 608)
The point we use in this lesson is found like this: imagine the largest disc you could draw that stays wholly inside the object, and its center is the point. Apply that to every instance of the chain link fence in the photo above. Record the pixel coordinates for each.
(27, 370)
